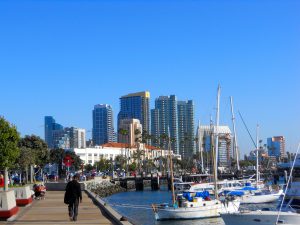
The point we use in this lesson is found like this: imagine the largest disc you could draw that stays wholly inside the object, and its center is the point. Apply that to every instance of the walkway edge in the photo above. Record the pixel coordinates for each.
(114, 215)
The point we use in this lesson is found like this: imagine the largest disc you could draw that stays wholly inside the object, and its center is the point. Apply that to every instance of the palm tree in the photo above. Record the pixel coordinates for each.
(163, 139)
(120, 161)
(124, 132)
(139, 153)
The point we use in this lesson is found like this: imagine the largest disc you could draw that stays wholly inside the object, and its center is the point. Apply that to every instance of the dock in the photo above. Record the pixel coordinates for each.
(52, 210)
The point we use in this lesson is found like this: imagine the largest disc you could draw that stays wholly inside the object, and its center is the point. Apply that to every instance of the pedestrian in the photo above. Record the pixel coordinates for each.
(72, 197)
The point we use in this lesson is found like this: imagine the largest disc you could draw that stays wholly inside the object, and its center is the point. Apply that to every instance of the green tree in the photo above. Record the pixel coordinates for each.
(25, 160)
(37, 149)
(9, 150)
(103, 164)
(120, 161)
(57, 156)
(88, 167)
(137, 155)
(132, 167)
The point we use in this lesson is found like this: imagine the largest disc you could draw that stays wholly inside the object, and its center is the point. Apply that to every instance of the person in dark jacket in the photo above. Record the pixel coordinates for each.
(72, 197)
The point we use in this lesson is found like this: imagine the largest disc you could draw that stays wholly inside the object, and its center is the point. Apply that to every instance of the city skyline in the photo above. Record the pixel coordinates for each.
(62, 58)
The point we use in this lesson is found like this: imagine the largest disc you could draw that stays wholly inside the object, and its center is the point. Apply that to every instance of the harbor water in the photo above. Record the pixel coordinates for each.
(136, 206)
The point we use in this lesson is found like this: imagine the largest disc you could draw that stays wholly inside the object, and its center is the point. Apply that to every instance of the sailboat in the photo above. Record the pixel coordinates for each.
(195, 205)
(252, 195)
(288, 210)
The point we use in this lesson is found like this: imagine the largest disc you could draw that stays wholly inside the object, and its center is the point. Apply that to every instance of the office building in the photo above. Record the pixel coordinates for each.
(103, 126)
(276, 147)
(56, 136)
(61, 139)
(163, 121)
(133, 130)
(186, 128)
(207, 136)
(50, 127)
(136, 106)
(77, 137)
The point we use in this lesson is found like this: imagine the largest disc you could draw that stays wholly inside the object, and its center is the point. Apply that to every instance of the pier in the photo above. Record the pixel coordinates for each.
(52, 210)
(154, 181)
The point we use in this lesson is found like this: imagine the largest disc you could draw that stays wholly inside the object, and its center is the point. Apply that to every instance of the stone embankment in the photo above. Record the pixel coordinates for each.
(104, 188)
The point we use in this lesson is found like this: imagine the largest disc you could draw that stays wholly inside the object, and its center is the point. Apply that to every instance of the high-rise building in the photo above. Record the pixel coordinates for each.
(207, 136)
(103, 126)
(61, 139)
(50, 127)
(136, 106)
(163, 121)
(276, 147)
(77, 137)
(155, 141)
(133, 128)
(186, 128)
(56, 136)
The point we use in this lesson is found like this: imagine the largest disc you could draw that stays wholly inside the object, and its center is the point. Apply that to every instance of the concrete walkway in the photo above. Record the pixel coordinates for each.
(52, 210)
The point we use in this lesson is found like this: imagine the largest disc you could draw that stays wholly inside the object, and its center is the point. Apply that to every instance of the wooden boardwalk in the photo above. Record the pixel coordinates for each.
(52, 210)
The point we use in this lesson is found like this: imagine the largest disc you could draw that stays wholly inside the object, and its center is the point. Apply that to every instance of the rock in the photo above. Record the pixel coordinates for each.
(105, 188)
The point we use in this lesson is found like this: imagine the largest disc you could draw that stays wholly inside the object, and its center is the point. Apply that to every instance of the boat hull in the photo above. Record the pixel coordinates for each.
(211, 209)
(259, 199)
(261, 217)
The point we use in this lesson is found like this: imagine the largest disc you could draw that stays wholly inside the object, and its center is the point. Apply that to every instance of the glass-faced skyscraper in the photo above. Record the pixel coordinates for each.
(163, 120)
(186, 128)
(103, 126)
(50, 127)
(136, 106)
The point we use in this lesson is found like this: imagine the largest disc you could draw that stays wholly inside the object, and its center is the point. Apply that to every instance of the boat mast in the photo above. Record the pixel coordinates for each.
(257, 148)
(217, 141)
(235, 145)
(171, 168)
(200, 147)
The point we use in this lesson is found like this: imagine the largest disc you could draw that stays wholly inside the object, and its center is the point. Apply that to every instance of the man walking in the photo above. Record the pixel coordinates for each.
(72, 197)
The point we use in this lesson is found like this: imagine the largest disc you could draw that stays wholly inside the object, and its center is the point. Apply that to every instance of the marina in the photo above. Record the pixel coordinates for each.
(136, 206)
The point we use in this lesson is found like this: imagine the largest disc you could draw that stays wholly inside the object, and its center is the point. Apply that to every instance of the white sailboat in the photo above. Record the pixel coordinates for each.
(260, 194)
(196, 205)
(288, 210)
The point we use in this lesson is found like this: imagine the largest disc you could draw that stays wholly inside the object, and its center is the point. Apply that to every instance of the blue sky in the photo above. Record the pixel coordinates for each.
(60, 58)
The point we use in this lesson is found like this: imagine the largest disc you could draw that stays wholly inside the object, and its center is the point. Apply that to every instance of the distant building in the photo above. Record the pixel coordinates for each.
(103, 125)
(50, 127)
(186, 128)
(89, 143)
(131, 126)
(110, 151)
(225, 150)
(164, 118)
(61, 139)
(56, 136)
(276, 147)
(155, 132)
(136, 106)
(77, 137)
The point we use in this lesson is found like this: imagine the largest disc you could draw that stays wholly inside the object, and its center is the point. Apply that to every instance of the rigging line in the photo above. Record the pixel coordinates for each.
(287, 184)
(248, 130)
(133, 207)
